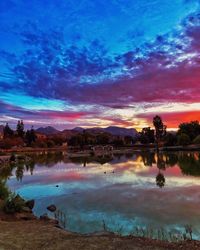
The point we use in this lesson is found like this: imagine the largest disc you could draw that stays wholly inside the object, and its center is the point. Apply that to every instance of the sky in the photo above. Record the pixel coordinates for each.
(87, 63)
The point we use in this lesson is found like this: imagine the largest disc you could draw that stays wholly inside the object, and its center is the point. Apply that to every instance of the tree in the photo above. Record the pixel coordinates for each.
(128, 140)
(183, 139)
(20, 129)
(170, 139)
(102, 139)
(197, 140)
(7, 131)
(192, 129)
(30, 136)
(147, 135)
(160, 130)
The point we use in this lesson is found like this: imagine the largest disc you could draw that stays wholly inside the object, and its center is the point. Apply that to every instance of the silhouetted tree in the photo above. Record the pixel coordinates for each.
(192, 129)
(30, 136)
(7, 131)
(146, 135)
(183, 139)
(20, 128)
(128, 140)
(160, 130)
(197, 140)
(170, 139)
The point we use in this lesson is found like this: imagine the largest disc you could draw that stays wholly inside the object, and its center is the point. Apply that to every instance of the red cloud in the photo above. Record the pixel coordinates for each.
(63, 115)
(172, 120)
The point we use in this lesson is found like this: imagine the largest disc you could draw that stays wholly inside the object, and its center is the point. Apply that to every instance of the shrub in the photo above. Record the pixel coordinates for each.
(14, 204)
(197, 140)
(183, 139)
(4, 192)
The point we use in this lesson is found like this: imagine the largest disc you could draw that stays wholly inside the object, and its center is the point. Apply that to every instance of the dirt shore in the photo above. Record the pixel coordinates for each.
(37, 234)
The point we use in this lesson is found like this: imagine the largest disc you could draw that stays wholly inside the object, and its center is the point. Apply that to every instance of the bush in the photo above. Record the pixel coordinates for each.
(14, 204)
(197, 140)
(183, 139)
(4, 192)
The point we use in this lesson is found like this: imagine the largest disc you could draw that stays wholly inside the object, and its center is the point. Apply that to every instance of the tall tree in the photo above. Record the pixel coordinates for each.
(7, 131)
(20, 128)
(160, 130)
(30, 136)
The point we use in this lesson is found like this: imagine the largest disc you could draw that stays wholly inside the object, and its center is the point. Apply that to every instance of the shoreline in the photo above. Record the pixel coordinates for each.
(70, 153)
(128, 149)
(41, 234)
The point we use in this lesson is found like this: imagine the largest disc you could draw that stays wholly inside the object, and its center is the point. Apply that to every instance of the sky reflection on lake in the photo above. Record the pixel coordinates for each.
(123, 192)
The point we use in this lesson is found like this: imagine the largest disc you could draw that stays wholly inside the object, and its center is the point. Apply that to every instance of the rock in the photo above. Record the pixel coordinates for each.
(30, 204)
(51, 208)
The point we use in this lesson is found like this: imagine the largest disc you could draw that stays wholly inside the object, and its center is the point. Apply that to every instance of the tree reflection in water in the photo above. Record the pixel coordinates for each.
(160, 180)
(188, 162)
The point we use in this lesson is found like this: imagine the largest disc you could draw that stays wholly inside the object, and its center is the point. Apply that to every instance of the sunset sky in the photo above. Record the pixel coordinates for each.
(87, 63)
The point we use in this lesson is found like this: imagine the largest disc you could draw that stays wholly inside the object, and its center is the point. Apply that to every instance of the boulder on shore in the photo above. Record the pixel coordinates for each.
(51, 208)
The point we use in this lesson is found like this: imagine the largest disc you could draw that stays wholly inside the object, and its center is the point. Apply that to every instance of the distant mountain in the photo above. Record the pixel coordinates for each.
(121, 131)
(47, 130)
(78, 129)
(113, 130)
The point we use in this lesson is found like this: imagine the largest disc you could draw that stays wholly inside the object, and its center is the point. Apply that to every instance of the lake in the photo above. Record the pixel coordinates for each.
(118, 193)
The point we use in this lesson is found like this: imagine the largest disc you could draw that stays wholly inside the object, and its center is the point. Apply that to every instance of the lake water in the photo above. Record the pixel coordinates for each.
(118, 193)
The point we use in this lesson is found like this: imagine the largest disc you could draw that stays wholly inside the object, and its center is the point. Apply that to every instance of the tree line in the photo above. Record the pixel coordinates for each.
(28, 138)
(187, 133)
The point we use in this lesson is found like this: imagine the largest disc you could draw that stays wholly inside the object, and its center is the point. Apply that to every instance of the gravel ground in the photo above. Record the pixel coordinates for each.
(37, 234)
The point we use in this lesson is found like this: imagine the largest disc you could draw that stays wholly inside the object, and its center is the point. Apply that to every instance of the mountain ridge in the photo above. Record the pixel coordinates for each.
(113, 130)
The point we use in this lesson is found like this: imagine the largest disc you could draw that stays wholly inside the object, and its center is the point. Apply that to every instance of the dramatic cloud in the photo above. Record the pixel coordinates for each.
(99, 71)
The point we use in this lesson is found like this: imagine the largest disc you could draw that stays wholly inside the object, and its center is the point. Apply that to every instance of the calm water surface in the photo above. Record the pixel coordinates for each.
(121, 192)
